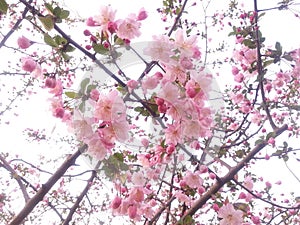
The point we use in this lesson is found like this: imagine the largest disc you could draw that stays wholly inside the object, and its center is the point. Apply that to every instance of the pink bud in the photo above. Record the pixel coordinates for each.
(50, 83)
(235, 70)
(24, 42)
(132, 210)
(86, 32)
(94, 94)
(28, 64)
(216, 207)
(271, 141)
(112, 27)
(142, 14)
(91, 22)
(59, 112)
(239, 78)
(132, 84)
(116, 202)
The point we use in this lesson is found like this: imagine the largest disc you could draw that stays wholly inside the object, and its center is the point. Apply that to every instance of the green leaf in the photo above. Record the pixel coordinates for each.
(57, 11)
(65, 56)
(83, 84)
(49, 40)
(47, 21)
(287, 57)
(271, 134)
(69, 48)
(278, 47)
(268, 62)
(90, 88)
(71, 94)
(100, 49)
(49, 7)
(64, 14)
(60, 40)
(3, 6)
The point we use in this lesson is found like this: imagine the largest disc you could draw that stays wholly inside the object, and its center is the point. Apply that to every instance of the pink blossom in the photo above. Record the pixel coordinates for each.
(229, 215)
(116, 202)
(138, 178)
(173, 133)
(24, 42)
(91, 22)
(239, 78)
(169, 92)
(271, 141)
(132, 84)
(149, 83)
(107, 15)
(50, 82)
(235, 70)
(185, 44)
(96, 148)
(94, 94)
(160, 48)
(132, 211)
(58, 89)
(28, 64)
(142, 14)
(193, 179)
(128, 28)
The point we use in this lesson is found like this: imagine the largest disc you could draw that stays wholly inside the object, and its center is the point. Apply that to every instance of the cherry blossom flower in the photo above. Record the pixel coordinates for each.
(128, 28)
(185, 44)
(107, 15)
(138, 178)
(193, 180)
(160, 48)
(142, 14)
(28, 64)
(230, 216)
(24, 42)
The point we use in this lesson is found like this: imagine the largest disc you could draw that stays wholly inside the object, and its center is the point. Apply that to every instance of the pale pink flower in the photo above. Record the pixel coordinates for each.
(132, 84)
(230, 216)
(24, 42)
(132, 211)
(173, 134)
(185, 44)
(28, 64)
(191, 128)
(160, 48)
(94, 94)
(121, 129)
(128, 28)
(96, 148)
(183, 198)
(169, 92)
(58, 89)
(105, 106)
(116, 202)
(138, 178)
(150, 83)
(175, 72)
(142, 14)
(107, 15)
(193, 179)
(248, 182)
(239, 78)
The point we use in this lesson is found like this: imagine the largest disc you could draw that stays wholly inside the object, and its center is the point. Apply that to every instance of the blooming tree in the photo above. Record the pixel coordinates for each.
(157, 145)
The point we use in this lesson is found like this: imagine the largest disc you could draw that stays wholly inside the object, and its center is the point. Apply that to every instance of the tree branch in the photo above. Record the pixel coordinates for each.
(29, 206)
(80, 197)
(14, 174)
(229, 176)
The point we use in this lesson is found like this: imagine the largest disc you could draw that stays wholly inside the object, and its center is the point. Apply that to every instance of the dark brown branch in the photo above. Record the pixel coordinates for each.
(229, 176)
(260, 69)
(14, 174)
(80, 197)
(29, 206)
(15, 27)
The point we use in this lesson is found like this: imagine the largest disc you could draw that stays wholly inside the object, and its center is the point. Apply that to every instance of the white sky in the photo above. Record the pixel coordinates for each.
(276, 24)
